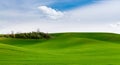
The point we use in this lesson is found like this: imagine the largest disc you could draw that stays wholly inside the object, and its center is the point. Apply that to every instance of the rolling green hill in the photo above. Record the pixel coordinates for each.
(62, 49)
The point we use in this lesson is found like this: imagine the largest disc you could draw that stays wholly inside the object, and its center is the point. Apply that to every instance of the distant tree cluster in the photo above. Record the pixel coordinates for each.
(29, 35)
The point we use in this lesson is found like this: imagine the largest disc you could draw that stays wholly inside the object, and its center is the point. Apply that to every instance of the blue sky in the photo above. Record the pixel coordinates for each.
(60, 15)
(29, 4)
(71, 4)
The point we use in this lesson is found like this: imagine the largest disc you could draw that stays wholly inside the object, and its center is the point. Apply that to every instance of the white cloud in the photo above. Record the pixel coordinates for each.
(115, 25)
(51, 13)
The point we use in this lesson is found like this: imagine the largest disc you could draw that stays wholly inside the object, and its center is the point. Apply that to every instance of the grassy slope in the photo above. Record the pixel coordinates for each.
(63, 49)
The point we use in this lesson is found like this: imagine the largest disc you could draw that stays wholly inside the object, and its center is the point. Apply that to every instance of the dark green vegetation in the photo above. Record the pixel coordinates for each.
(62, 49)
(29, 35)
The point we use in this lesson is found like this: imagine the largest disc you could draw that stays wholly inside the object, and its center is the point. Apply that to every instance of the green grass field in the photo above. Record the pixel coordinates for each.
(62, 49)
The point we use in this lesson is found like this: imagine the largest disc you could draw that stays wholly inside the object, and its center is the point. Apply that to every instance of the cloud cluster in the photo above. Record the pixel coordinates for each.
(51, 13)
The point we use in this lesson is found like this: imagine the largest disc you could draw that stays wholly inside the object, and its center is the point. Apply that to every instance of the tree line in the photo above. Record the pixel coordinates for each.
(29, 35)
